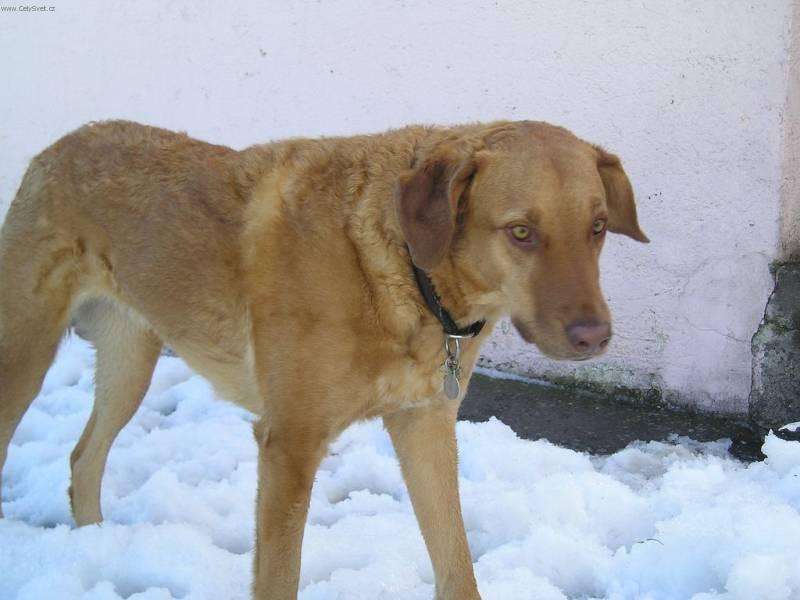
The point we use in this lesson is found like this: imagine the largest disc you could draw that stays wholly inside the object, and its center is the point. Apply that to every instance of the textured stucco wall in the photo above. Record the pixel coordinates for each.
(790, 190)
(690, 94)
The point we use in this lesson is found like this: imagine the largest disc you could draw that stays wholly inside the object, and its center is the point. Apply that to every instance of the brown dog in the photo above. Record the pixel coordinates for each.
(283, 273)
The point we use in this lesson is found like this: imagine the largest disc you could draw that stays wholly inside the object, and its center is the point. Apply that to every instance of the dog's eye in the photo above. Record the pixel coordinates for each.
(599, 226)
(520, 233)
(522, 236)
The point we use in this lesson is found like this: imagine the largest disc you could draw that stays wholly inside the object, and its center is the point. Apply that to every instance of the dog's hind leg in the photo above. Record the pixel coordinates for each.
(127, 351)
(34, 313)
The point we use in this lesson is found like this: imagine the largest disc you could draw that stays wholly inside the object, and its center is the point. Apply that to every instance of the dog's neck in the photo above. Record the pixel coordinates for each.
(451, 370)
(434, 303)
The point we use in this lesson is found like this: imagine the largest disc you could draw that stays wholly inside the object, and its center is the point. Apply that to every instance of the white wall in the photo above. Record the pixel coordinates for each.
(690, 94)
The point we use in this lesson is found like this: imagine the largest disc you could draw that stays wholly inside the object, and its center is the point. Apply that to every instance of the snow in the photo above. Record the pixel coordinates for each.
(659, 520)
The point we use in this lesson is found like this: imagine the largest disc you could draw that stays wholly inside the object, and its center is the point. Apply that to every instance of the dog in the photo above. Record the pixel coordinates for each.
(313, 282)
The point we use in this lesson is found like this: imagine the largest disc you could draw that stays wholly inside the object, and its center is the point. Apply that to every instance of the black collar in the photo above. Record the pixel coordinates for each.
(435, 304)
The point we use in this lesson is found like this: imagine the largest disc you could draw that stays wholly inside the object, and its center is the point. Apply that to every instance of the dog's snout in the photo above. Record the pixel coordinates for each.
(589, 337)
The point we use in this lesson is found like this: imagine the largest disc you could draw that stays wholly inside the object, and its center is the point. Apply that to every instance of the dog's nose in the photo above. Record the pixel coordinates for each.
(589, 337)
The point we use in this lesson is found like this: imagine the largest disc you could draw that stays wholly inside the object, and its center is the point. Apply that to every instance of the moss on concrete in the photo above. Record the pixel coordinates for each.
(775, 393)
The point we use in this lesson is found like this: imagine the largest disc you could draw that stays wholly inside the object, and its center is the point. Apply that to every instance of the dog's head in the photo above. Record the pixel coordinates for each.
(518, 214)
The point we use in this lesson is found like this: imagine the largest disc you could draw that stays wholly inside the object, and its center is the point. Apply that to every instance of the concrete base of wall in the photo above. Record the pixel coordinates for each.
(775, 394)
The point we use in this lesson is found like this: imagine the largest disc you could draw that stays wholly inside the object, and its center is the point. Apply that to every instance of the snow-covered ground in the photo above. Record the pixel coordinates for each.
(655, 521)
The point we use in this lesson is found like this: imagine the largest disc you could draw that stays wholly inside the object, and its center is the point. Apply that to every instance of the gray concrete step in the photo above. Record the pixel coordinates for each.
(587, 422)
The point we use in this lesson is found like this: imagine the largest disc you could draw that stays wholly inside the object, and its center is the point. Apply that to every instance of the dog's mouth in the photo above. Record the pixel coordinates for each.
(553, 351)
(572, 357)
(526, 331)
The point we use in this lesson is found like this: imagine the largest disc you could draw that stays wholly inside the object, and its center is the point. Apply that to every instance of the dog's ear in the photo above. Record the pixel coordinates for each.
(619, 197)
(426, 201)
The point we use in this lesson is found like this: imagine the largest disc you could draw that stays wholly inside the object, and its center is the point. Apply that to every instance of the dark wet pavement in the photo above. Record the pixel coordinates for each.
(588, 422)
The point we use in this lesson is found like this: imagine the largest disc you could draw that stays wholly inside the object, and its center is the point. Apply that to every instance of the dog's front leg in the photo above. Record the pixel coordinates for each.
(288, 458)
(425, 442)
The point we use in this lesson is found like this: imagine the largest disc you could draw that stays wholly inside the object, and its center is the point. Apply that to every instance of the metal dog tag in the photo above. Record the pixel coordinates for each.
(451, 386)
